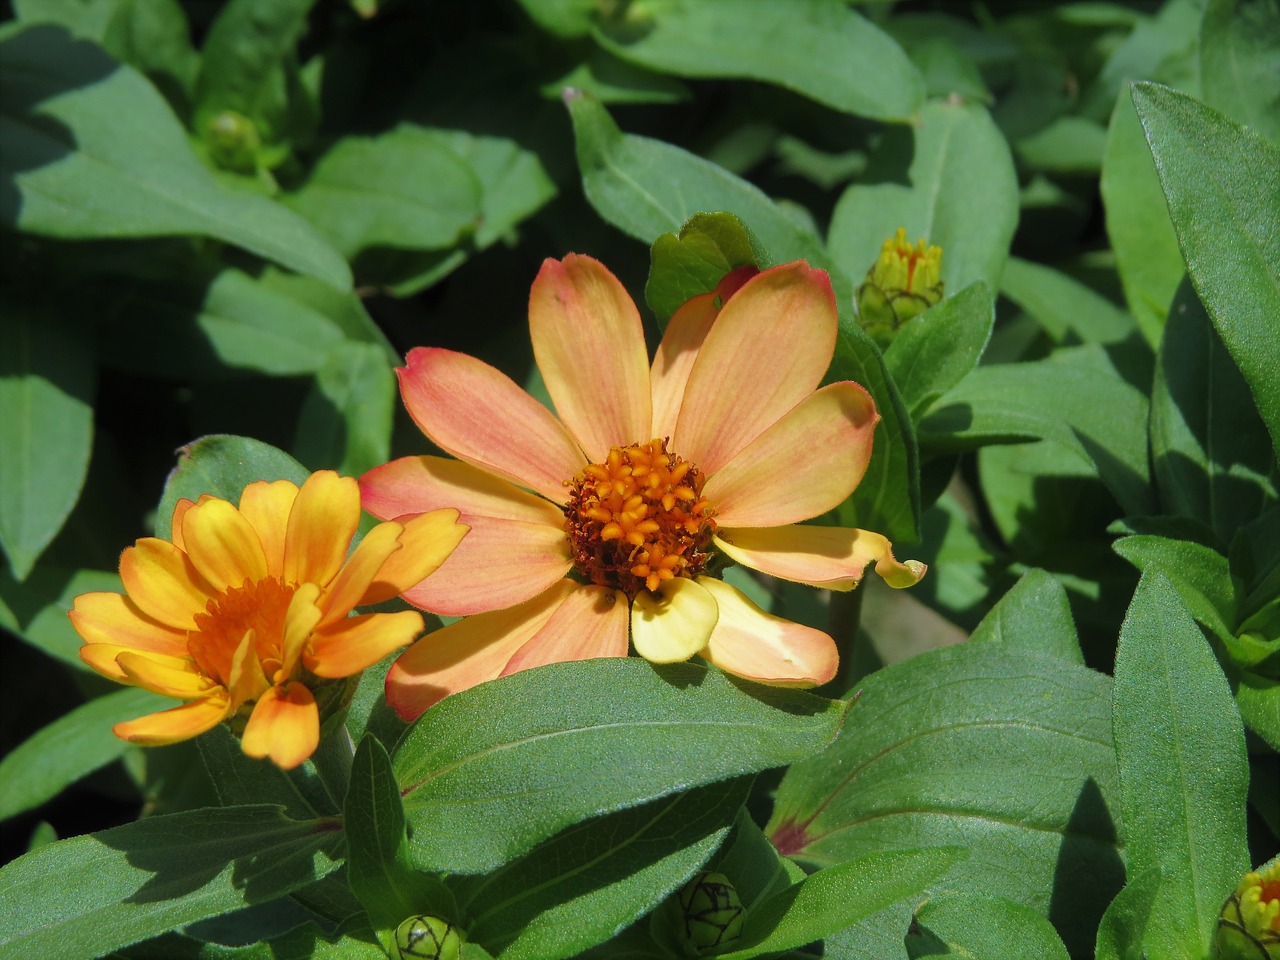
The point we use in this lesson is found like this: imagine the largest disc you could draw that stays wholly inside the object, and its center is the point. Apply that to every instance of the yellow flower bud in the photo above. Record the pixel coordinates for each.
(427, 938)
(711, 912)
(1249, 926)
(903, 283)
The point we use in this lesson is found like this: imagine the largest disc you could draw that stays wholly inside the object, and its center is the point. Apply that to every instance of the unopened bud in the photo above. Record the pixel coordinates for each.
(427, 938)
(711, 912)
(233, 141)
(904, 282)
(1249, 926)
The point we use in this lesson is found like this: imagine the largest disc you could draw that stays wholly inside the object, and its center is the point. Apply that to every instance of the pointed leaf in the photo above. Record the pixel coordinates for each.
(1035, 616)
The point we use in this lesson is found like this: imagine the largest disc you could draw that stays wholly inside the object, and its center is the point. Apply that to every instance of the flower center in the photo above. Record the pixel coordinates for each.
(638, 519)
(260, 607)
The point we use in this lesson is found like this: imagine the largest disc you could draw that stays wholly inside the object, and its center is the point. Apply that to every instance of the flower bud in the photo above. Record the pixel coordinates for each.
(903, 283)
(233, 141)
(427, 938)
(711, 912)
(1249, 925)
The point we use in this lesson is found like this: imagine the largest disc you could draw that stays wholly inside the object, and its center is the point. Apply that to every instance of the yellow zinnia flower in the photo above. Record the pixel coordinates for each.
(1249, 926)
(607, 523)
(247, 610)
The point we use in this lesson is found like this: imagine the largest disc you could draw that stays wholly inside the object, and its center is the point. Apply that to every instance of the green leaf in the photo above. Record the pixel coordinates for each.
(1062, 305)
(71, 747)
(1208, 444)
(936, 350)
(1124, 925)
(76, 123)
(963, 197)
(692, 262)
(1034, 616)
(1222, 182)
(1238, 43)
(36, 609)
(154, 875)
(222, 466)
(467, 766)
(345, 423)
(1184, 774)
(1200, 574)
(819, 48)
(979, 745)
(241, 780)
(589, 881)
(47, 385)
(610, 80)
(992, 928)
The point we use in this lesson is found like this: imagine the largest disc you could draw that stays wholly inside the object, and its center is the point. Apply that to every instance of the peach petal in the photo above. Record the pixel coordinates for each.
(673, 624)
(833, 558)
(284, 726)
(468, 652)
(162, 581)
(222, 544)
(323, 520)
(111, 618)
(750, 643)
(414, 485)
(802, 466)
(479, 414)
(426, 541)
(589, 344)
(169, 676)
(685, 333)
(359, 642)
(177, 724)
(768, 349)
(592, 622)
(267, 505)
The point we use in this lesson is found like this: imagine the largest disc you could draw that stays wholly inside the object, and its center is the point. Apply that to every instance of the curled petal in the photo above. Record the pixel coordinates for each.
(169, 676)
(175, 525)
(755, 645)
(368, 558)
(180, 723)
(804, 465)
(427, 541)
(163, 583)
(359, 642)
(246, 680)
(323, 520)
(468, 652)
(592, 622)
(110, 618)
(673, 624)
(267, 507)
(589, 345)
(479, 414)
(299, 620)
(833, 558)
(222, 544)
(284, 725)
(102, 658)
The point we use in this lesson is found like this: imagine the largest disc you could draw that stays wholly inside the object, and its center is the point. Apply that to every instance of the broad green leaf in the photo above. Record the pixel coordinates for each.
(610, 80)
(819, 48)
(1142, 238)
(1124, 925)
(753, 864)
(1208, 444)
(155, 37)
(345, 423)
(1200, 574)
(47, 385)
(1184, 774)
(936, 350)
(564, 18)
(87, 19)
(71, 747)
(1069, 145)
(154, 875)
(1238, 44)
(992, 928)
(222, 465)
(1034, 616)
(592, 879)
(1222, 182)
(692, 262)
(468, 765)
(963, 197)
(240, 780)
(980, 746)
(36, 609)
(307, 942)
(1062, 305)
(76, 124)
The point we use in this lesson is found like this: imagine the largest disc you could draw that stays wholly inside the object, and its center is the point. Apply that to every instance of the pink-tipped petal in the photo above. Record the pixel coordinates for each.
(768, 350)
(685, 333)
(180, 723)
(222, 544)
(284, 725)
(426, 541)
(161, 580)
(468, 652)
(323, 520)
(833, 558)
(673, 624)
(359, 642)
(267, 507)
(589, 344)
(479, 414)
(802, 466)
(110, 618)
(592, 622)
(755, 645)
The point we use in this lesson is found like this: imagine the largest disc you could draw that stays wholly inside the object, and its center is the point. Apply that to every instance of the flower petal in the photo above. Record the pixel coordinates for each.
(246, 679)
(179, 723)
(323, 520)
(479, 414)
(346, 589)
(589, 344)
(768, 350)
(267, 507)
(111, 618)
(413, 485)
(592, 622)
(686, 330)
(175, 525)
(168, 676)
(222, 544)
(427, 541)
(468, 652)
(833, 558)
(750, 643)
(359, 642)
(673, 624)
(102, 658)
(802, 466)
(284, 725)
(163, 583)
(299, 620)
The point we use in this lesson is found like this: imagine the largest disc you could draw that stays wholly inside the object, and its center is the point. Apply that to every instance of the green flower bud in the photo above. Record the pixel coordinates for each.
(1249, 925)
(233, 141)
(904, 282)
(427, 938)
(711, 912)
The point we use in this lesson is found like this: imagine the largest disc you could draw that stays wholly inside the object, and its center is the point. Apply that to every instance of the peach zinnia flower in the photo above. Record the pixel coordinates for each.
(246, 610)
(609, 522)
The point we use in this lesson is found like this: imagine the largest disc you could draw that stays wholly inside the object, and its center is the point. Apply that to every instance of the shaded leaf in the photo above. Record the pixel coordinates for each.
(1034, 616)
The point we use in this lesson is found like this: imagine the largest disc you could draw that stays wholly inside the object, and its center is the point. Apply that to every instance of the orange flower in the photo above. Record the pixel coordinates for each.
(608, 523)
(246, 610)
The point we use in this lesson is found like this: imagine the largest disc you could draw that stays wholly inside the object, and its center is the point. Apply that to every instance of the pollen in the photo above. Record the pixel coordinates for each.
(638, 519)
(259, 606)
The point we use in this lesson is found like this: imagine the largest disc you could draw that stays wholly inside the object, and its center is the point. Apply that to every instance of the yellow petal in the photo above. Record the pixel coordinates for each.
(267, 507)
(169, 676)
(321, 524)
(102, 618)
(175, 525)
(180, 723)
(222, 544)
(246, 680)
(102, 658)
(299, 621)
(284, 725)
(673, 624)
(163, 583)
(592, 622)
(427, 541)
(346, 589)
(360, 642)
